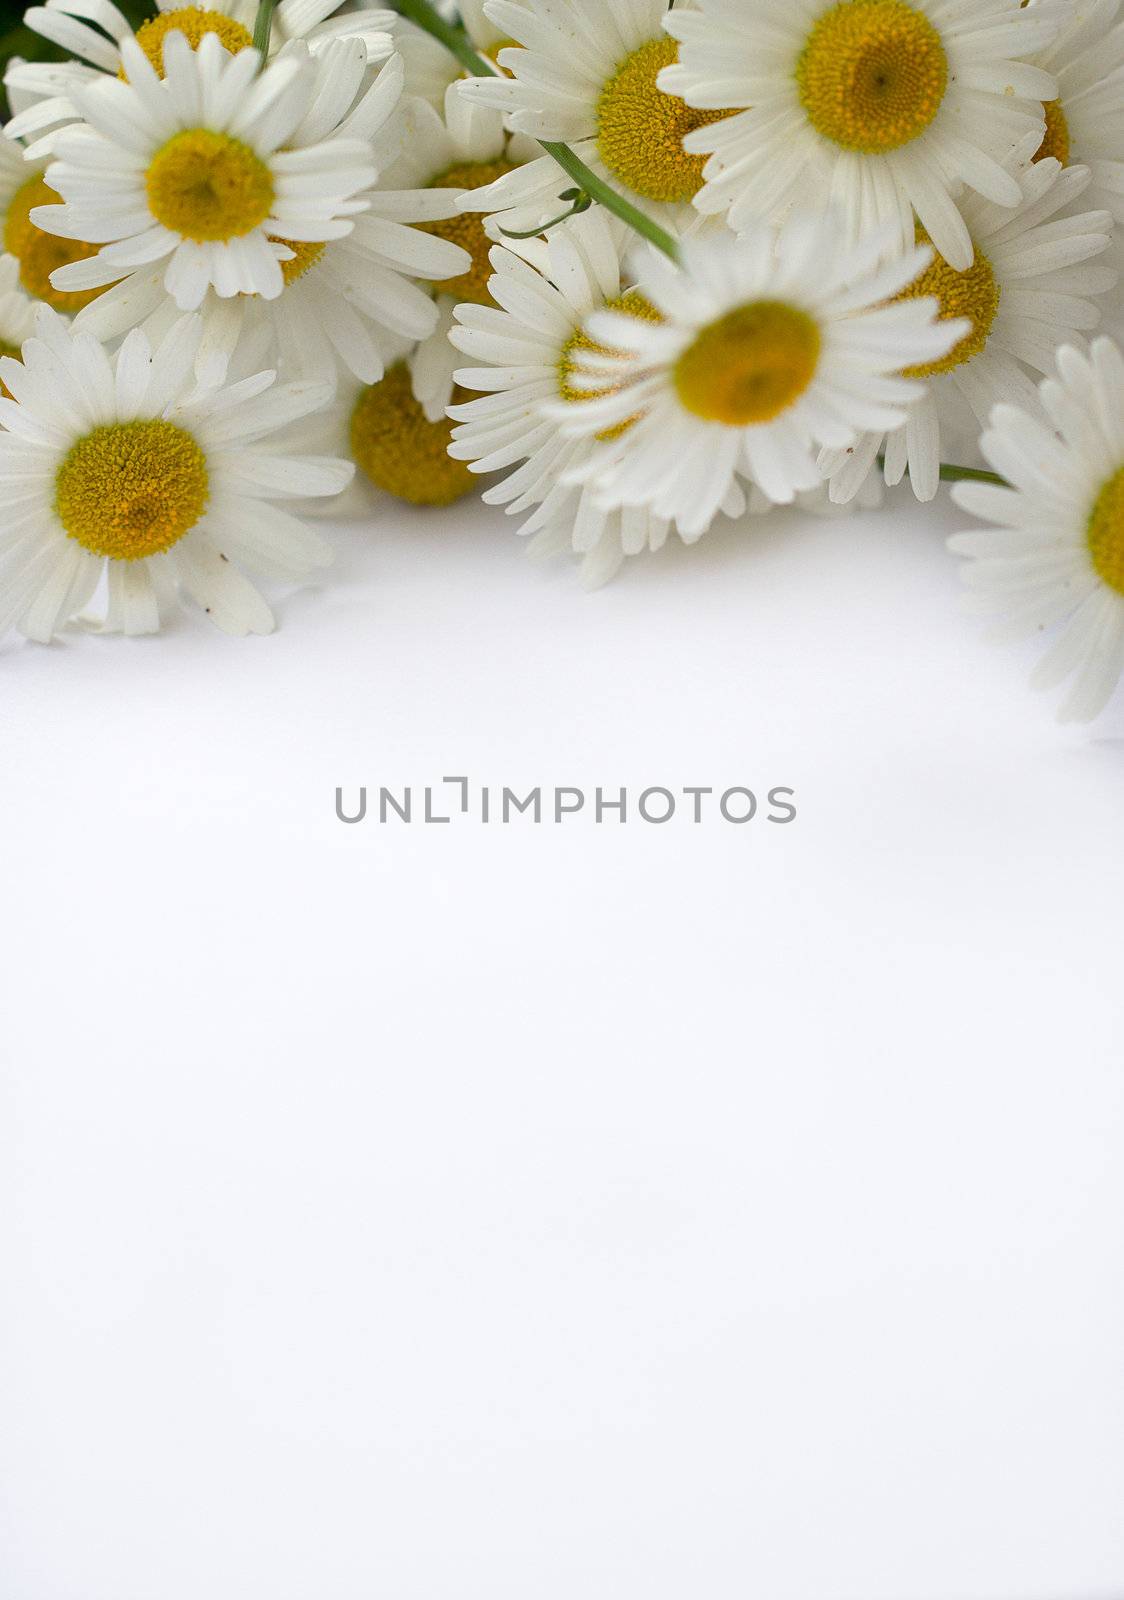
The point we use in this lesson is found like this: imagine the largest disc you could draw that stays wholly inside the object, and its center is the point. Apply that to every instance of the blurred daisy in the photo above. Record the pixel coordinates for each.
(1022, 297)
(96, 31)
(586, 75)
(191, 171)
(347, 303)
(37, 254)
(887, 106)
(1056, 552)
(17, 309)
(448, 157)
(532, 342)
(763, 348)
(123, 466)
(430, 67)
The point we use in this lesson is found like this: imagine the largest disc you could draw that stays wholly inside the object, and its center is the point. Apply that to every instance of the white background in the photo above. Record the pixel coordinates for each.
(623, 1213)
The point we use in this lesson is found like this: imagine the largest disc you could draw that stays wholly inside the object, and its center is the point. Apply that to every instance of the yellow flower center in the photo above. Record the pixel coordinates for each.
(467, 230)
(132, 489)
(973, 294)
(1055, 141)
(207, 186)
(40, 253)
(1105, 532)
(193, 22)
(872, 74)
(306, 253)
(400, 450)
(640, 129)
(632, 304)
(750, 365)
(8, 350)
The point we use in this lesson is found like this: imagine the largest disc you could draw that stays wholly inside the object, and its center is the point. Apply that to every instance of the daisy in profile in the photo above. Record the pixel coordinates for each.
(1055, 555)
(122, 466)
(95, 31)
(191, 171)
(584, 72)
(347, 303)
(762, 349)
(444, 159)
(886, 106)
(529, 346)
(1024, 295)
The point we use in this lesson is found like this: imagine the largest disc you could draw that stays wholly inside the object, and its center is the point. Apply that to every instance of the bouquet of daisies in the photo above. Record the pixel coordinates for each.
(628, 267)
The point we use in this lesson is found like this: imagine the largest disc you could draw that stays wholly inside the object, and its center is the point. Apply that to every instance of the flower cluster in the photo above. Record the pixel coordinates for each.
(629, 267)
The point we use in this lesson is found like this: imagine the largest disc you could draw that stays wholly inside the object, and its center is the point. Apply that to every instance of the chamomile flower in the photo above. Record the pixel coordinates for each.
(190, 171)
(763, 348)
(1085, 123)
(887, 107)
(586, 75)
(1055, 557)
(37, 254)
(430, 67)
(122, 466)
(347, 304)
(532, 340)
(95, 31)
(1024, 294)
(446, 158)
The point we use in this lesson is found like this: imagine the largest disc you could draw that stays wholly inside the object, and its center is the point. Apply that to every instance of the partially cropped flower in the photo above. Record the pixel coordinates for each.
(531, 345)
(1085, 123)
(347, 302)
(1024, 294)
(1055, 557)
(122, 466)
(444, 159)
(22, 189)
(191, 171)
(430, 67)
(584, 72)
(763, 349)
(882, 107)
(95, 31)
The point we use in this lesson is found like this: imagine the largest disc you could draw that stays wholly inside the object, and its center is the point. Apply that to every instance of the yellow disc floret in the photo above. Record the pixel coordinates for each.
(973, 295)
(872, 74)
(193, 22)
(1105, 532)
(400, 450)
(467, 230)
(208, 187)
(132, 489)
(640, 129)
(1055, 141)
(40, 253)
(632, 304)
(750, 365)
(306, 253)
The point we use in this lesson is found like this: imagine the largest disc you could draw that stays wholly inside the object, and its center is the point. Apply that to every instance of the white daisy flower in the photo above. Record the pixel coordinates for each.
(586, 76)
(532, 339)
(96, 31)
(190, 170)
(1022, 296)
(23, 188)
(1056, 553)
(123, 466)
(885, 107)
(766, 347)
(347, 303)
(449, 157)
(1085, 123)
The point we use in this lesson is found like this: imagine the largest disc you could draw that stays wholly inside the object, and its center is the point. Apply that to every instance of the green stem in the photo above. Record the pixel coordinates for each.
(954, 474)
(263, 27)
(457, 41)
